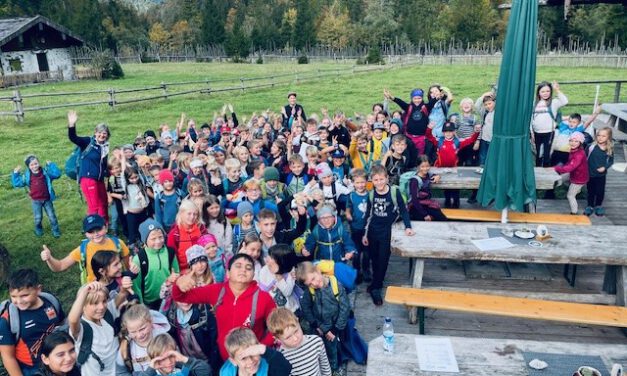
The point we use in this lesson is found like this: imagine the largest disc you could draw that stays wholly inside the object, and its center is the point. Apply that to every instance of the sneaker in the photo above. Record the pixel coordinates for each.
(376, 297)
(599, 211)
(56, 234)
(588, 211)
(39, 232)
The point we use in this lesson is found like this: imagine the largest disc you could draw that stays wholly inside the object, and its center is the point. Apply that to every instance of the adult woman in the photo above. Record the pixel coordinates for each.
(233, 301)
(58, 356)
(93, 165)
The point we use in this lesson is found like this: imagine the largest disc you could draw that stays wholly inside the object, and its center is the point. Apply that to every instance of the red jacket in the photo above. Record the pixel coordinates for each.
(447, 153)
(232, 312)
(174, 238)
(577, 166)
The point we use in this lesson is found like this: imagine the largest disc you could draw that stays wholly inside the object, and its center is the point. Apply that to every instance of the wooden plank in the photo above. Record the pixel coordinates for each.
(603, 299)
(516, 217)
(509, 306)
(482, 356)
(466, 178)
(591, 245)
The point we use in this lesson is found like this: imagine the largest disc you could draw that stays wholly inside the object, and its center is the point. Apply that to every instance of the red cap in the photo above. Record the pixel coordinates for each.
(225, 129)
(165, 175)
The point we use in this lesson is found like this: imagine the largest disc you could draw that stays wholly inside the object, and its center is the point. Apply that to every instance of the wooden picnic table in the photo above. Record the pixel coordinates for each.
(469, 178)
(482, 356)
(577, 245)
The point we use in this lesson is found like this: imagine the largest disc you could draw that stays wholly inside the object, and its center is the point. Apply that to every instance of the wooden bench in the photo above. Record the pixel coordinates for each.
(515, 217)
(577, 313)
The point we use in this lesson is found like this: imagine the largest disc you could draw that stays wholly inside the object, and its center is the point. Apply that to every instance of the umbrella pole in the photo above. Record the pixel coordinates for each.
(504, 215)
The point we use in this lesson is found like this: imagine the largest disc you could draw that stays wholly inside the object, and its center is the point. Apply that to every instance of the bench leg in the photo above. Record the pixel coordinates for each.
(610, 282)
(621, 286)
(421, 317)
(570, 275)
(416, 282)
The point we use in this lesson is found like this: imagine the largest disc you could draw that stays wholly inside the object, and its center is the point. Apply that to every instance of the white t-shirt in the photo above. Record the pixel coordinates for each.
(104, 344)
(139, 354)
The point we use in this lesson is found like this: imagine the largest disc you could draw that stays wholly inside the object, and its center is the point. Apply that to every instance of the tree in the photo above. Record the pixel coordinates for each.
(181, 35)
(335, 29)
(476, 28)
(380, 25)
(159, 35)
(212, 23)
(304, 34)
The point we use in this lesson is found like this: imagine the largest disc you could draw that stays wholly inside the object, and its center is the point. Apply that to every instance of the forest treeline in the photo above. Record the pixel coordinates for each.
(243, 26)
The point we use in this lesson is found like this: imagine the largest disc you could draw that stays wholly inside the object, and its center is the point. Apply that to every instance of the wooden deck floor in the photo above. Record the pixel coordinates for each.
(450, 274)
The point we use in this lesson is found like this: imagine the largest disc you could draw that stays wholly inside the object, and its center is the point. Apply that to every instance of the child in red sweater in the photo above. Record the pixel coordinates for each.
(447, 148)
(577, 166)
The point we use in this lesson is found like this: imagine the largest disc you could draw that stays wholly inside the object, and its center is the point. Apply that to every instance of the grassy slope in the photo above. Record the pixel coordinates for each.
(44, 133)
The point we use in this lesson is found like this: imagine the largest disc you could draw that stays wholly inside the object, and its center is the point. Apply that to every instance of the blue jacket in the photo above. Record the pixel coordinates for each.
(50, 171)
(92, 166)
(329, 244)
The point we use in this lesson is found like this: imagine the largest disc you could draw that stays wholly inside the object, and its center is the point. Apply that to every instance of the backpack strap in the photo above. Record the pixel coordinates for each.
(220, 297)
(202, 320)
(334, 287)
(253, 310)
(143, 268)
(83, 264)
(85, 350)
(171, 256)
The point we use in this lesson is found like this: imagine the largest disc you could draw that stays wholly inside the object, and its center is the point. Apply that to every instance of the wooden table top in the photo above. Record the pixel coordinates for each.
(468, 178)
(593, 245)
(482, 356)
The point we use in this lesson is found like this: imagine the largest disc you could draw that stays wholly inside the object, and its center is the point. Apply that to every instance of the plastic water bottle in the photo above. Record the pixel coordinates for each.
(388, 336)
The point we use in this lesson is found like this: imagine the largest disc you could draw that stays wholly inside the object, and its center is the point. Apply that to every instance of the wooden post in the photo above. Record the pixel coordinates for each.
(208, 87)
(112, 98)
(241, 80)
(272, 80)
(19, 106)
(617, 92)
(164, 87)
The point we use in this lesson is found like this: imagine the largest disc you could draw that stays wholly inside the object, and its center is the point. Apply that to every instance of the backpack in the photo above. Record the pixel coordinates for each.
(455, 143)
(85, 350)
(557, 118)
(252, 312)
(73, 162)
(83, 248)
(143, 265)
(14, 314)
(290, 177)
(404, 181)
(316, 234)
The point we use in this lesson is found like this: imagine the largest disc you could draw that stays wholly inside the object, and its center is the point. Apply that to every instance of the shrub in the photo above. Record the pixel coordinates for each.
(374, 56)
(303, 59)
(105, 62)
(259, 60)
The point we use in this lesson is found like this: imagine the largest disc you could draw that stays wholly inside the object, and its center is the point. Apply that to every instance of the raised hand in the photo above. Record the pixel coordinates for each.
(45, 254)
(72, 118)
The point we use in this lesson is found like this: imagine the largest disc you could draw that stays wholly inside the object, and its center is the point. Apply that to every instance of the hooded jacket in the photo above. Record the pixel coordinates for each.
(324, 310)
(233, 312)
(50, 171)
(330, 244)
(577, 166)
(93, 165)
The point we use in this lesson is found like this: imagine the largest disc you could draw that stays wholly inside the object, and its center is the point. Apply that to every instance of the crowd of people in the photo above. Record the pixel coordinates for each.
(232, 249)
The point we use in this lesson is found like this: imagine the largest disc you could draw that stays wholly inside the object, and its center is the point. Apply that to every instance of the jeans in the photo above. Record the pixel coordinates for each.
(379, 256)
(596, 190)
(333, 352)
(361, 262)
(38, 205)
(483, 152)
(543, 142)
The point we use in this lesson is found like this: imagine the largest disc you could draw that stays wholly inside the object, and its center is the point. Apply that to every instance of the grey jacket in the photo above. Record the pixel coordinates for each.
(324, 310)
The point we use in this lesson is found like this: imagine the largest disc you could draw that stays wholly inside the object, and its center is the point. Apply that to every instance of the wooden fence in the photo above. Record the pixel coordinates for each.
(30, 78)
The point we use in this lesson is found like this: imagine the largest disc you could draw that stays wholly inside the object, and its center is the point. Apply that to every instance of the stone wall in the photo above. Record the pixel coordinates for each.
(58, 59)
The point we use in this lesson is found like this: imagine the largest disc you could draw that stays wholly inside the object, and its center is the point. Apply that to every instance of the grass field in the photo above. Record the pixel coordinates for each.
(44, 133)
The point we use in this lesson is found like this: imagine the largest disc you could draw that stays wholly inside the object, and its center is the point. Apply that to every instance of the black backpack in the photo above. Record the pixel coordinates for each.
(85, 350)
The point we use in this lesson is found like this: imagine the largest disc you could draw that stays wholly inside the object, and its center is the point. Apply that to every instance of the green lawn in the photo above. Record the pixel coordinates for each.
(44, 133)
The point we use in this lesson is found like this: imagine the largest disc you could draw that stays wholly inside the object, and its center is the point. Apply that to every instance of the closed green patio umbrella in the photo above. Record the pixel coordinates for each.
(508, 179)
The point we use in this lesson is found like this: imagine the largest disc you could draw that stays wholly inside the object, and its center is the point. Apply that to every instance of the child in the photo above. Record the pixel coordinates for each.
(356, 210)
(278, 157)
(277, 277)
(58, 356)
(333, 190)
(267, 229)
(198, 265)
(215, 257)
(251, 246)
(246, 215)
(340, 168)
(415, 117)
(385, 206)
(139, 326)
(441, 98)
(107, 267)
(26, 319)
(600, 159)
(38, 182)
(561, 148)
(329, 240)
(217, 224)
(247, 357)
(255, 147)
(326, 308)
(486, 105)
(134, 203)
(297, 179)
(377, 144)
(116, 189)
(271, 186)
(577, 167)
(91, 322)
(167, 202)
(544, 119)
(231, 186)
(421, 206)
(243, 155)
(196, 192)
(166, 360)
(306, 353)
(447, 148)
(358, 150)
(155, 261)
(186, 231)
(197, 171)
(97, 240)
(252, 189)
(467, 123)
(394, 160)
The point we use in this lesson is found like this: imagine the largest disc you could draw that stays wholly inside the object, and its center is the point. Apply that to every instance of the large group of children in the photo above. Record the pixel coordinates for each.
(243, 242)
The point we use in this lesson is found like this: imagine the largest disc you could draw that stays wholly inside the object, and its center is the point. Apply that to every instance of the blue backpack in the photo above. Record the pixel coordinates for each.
(72, 167)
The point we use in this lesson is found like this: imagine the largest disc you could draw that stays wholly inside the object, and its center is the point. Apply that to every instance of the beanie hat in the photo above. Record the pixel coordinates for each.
(150, 133)
(29, 158)
(378, 125)
(291, 93)
(339, 153)
(165, 175)
(448, 127)
(195, 163)
(206, 239)
(243, 208)
(270, 174)
(577, 136)
(323, 170)
(147, 227)
(225, 129)
(195, 254)
(138, 152)
(142, 160)
(398, 122)
(219, 149)
(128, 147)
(166, 134)
(325, 210)
(417, 93)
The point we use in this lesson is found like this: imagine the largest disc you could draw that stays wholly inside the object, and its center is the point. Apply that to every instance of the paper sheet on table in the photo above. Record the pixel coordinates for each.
(435, 354)
(492, 244)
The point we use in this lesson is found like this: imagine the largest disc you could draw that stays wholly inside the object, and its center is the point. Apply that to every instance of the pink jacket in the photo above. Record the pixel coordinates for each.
(577, 166)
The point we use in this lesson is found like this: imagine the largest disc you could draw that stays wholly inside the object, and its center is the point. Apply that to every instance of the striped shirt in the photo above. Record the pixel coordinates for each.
(309, 359)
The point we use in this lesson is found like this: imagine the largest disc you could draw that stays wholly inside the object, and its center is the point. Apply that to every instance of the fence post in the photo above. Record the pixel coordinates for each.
(19, 106)
(241, 80)
(272, 80)
(112, 98)
(617, 92)
(208, 87)
(164, 87)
